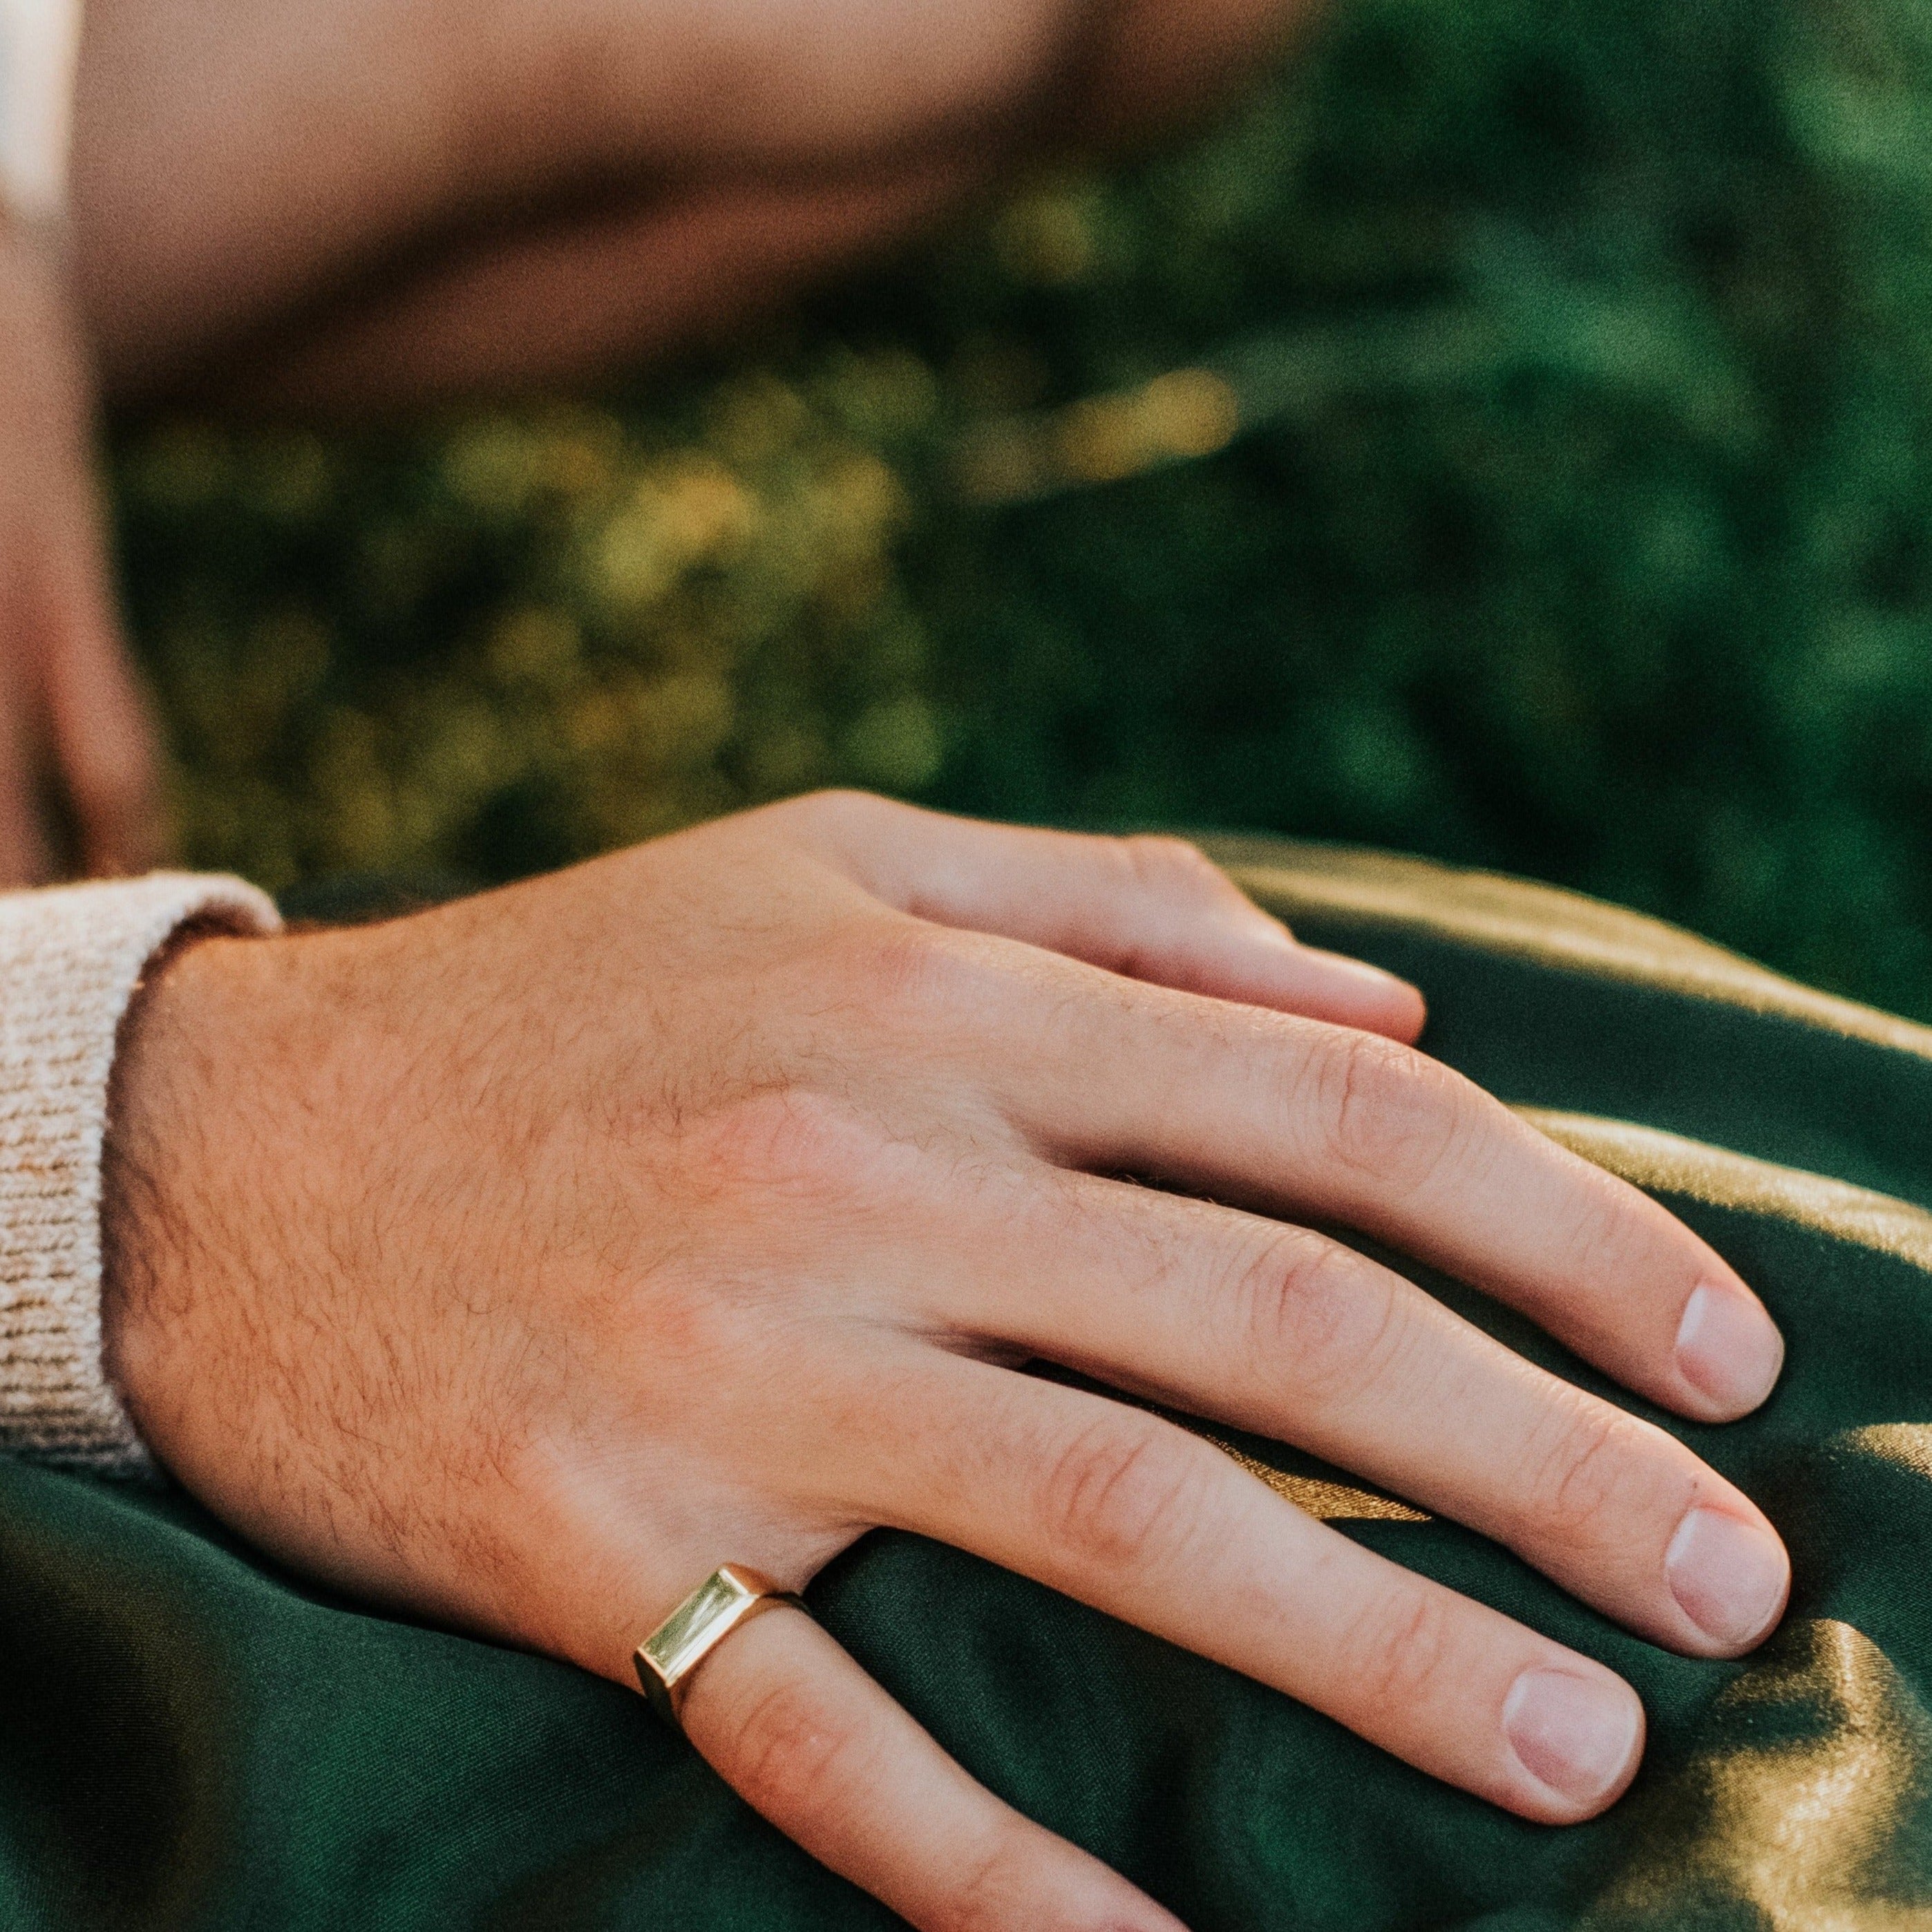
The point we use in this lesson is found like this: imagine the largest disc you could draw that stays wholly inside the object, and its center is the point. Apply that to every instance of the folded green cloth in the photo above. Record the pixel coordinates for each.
(189, 1739)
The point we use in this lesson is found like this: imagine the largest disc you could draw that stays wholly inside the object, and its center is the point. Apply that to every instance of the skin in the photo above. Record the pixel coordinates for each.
(439, 178)
(376, 204)
(519, 1262)
(69, 704)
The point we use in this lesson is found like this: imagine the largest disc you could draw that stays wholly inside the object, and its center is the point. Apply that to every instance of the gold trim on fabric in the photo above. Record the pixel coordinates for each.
(1905, 1445)
(1540, 923)
(1316, 1495)
(1671, 1165)
(1333, 1502)
(1794, 1816)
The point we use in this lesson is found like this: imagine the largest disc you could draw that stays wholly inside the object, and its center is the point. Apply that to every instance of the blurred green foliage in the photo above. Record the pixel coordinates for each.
(1509, 438)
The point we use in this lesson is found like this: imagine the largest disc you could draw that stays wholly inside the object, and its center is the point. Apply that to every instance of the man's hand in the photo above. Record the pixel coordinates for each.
(72, 718)
(519, 1262)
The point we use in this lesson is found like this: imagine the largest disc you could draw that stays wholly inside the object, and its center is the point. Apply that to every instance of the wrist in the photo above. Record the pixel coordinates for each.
(184, 1068)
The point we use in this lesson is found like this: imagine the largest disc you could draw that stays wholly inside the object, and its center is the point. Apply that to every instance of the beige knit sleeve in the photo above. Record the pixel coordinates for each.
(71, 959)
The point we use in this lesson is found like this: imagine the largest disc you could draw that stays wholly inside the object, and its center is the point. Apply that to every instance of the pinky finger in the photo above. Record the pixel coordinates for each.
(804, 1737)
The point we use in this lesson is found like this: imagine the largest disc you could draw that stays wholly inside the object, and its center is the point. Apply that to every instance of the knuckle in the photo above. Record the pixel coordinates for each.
(1612, 1229)
(788, 1754)
(1171, 867)
(986, 1897)
(1582, 1474)
(1116, 1493)
(785, 1140)
(843, 801)
(843, 810)
(1024, 1879)
(1385, 1111)
(1307, 1307)
(902, 965)
(1400, 1650)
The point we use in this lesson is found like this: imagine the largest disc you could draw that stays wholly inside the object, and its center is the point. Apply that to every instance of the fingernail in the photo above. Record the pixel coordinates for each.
(1393, 1000)
(1729, 1577)
(1729, 1347)
(1577, 1735)
(1360, 970)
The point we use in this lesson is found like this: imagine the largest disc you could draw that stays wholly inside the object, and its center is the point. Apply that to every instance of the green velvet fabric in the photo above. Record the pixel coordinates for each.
(189, 1739)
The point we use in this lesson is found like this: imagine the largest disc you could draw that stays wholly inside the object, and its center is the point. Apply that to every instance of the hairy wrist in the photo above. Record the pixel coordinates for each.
(179, 1067)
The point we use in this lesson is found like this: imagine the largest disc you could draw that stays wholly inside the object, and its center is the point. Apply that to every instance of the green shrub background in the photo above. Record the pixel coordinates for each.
(1506, 439)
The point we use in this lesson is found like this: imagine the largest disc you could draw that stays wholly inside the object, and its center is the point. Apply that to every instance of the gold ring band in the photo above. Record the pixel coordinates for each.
(728, 1598)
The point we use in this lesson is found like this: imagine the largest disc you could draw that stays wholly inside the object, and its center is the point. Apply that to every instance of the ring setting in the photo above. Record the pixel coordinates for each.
(729, 1598)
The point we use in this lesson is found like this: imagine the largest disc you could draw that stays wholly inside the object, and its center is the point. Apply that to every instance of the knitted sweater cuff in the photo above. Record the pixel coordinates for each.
(71, 959)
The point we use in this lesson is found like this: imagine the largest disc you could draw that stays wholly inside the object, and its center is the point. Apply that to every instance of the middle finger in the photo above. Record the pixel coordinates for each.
(1283, 1332)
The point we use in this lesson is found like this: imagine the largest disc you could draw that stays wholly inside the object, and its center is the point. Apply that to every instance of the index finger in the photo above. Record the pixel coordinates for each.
(1267, 1110)
(1146, 906)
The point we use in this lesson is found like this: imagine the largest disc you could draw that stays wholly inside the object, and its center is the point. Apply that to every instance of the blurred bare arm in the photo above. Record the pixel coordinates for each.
(378, 202)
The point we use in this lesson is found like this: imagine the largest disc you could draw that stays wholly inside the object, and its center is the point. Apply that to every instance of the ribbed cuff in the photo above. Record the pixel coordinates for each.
(70, 960)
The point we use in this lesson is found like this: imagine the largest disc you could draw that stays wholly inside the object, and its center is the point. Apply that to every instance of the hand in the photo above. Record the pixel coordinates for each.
(71, 712)
(366, 207)
(519, 1262)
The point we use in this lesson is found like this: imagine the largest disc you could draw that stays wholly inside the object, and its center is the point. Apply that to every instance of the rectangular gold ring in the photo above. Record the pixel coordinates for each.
(729, 1596)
